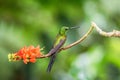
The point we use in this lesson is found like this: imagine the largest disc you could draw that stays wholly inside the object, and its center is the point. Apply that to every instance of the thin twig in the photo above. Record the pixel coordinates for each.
(114, 33)
(80, 40)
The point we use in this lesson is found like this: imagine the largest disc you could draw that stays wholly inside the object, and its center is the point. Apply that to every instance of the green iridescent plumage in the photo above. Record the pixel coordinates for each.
(59, 42)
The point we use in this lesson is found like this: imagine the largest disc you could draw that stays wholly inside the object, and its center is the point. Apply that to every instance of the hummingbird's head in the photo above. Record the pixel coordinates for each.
(63, 30)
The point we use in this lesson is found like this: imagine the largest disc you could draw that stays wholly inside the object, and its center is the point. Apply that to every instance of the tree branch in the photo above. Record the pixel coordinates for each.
(114, 33)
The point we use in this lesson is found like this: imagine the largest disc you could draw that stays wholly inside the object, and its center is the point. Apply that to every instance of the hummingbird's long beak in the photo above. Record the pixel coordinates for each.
(74, 27)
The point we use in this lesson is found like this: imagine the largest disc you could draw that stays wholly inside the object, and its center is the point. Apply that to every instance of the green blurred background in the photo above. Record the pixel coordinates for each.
(36, 22)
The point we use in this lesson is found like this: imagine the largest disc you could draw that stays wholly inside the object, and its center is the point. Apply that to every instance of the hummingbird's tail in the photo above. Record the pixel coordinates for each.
(52, 60)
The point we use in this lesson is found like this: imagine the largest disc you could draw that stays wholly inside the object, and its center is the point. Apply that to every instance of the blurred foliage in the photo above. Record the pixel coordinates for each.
(36, 22)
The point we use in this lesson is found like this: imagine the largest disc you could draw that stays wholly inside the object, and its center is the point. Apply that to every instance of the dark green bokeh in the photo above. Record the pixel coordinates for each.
(36, 22)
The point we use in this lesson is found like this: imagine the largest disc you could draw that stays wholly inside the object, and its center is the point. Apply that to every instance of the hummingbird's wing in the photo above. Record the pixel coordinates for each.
(57, 47)
(53, 53)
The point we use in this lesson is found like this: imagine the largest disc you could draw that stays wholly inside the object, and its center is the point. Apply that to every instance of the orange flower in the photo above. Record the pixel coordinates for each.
(27, 54)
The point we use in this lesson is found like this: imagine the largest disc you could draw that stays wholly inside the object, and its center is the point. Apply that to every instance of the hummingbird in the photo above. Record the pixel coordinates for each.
(59, 42)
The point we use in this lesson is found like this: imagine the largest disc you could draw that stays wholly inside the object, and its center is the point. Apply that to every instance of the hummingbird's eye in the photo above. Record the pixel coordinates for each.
(66, 29)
